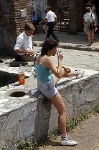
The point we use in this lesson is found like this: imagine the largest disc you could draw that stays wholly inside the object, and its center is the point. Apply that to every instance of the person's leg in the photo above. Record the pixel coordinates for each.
(92, 36)
(89, 38)
(60, 106)
(50, 91)
(69, 72)
(18, 58)
(27, 57)
(65, 73)
(55, 79)
(53, 33)
(49, 30)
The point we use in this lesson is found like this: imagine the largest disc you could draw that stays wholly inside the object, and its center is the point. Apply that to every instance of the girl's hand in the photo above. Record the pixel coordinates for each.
(60, 55)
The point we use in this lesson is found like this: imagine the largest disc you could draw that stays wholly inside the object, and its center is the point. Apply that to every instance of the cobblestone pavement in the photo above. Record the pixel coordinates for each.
(86, 134)
(79, 59)
(75, 51)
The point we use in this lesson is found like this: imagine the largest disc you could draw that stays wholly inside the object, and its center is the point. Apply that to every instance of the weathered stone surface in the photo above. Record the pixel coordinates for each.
(22, 117)
(12, 23)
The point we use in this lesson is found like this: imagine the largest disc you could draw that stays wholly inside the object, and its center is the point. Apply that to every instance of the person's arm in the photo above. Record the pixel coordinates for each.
(43, 20)
(59, 67)
(25, 51)
(56, 19)
(18, 49)
(84, 22)
(84, 25)
(94, 21)
(57, 71)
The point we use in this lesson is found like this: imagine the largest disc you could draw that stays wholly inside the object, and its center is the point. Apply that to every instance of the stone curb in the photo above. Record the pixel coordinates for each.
(71, 46)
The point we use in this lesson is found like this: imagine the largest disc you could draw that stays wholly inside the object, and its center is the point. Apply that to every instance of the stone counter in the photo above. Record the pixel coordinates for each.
(33, 114)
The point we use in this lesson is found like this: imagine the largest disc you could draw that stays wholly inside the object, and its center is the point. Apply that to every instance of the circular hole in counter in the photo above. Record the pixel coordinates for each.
(1, 61)
(17, 94)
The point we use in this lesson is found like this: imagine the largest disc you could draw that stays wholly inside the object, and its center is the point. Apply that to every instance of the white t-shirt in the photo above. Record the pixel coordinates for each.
(50, 16)
(23, 42)
(88, 17)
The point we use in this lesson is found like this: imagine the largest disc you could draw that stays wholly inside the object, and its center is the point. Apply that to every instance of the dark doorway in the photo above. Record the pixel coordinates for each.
(61, 9)
(96, 2)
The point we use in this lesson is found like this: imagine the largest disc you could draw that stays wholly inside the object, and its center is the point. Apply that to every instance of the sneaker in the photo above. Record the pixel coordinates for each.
(80, 74)
(68, 142)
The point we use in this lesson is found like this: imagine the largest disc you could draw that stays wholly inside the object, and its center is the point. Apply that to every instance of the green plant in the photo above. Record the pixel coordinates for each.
(96, 109)
(54, 133)
(27, 145)
(72, 123)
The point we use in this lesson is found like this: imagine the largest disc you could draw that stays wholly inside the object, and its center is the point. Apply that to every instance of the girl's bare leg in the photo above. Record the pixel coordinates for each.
(60, 106)
(55, 79)
(92, 36)
(68, 74)
(65, 73)
(89, 38)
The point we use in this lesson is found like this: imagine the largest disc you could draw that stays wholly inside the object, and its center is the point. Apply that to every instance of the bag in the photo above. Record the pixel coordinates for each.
(92, 23)
(56, 20)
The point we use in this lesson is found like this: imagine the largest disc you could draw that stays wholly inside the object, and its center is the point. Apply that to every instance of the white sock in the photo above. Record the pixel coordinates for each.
(76, 72)
(63, 136)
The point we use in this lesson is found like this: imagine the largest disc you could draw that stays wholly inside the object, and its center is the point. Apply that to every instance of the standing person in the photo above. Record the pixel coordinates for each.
(93, 11)
(88, 19)
(24, 46)
(51, 19)
(45, 83)
(93, 8)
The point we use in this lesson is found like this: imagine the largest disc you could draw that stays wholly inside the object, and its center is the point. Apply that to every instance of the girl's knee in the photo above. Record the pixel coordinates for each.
(63, 111)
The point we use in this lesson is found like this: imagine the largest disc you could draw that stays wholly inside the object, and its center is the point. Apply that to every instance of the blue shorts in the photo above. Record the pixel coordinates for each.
(47, 88)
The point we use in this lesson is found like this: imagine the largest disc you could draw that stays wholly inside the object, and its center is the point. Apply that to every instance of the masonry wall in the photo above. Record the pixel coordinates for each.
(75, 13)
(12, 23)
(7, 26)
(21, 5)
(79, 12)
(75, 16)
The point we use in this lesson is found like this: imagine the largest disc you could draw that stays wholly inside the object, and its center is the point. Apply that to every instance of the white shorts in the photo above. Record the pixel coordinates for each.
(48, 88)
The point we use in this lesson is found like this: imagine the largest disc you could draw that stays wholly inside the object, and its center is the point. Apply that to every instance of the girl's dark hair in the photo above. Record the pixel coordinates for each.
(48, 45)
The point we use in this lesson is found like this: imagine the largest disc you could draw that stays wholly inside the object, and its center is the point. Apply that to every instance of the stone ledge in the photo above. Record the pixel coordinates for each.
(33, 114)
(71, 46)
